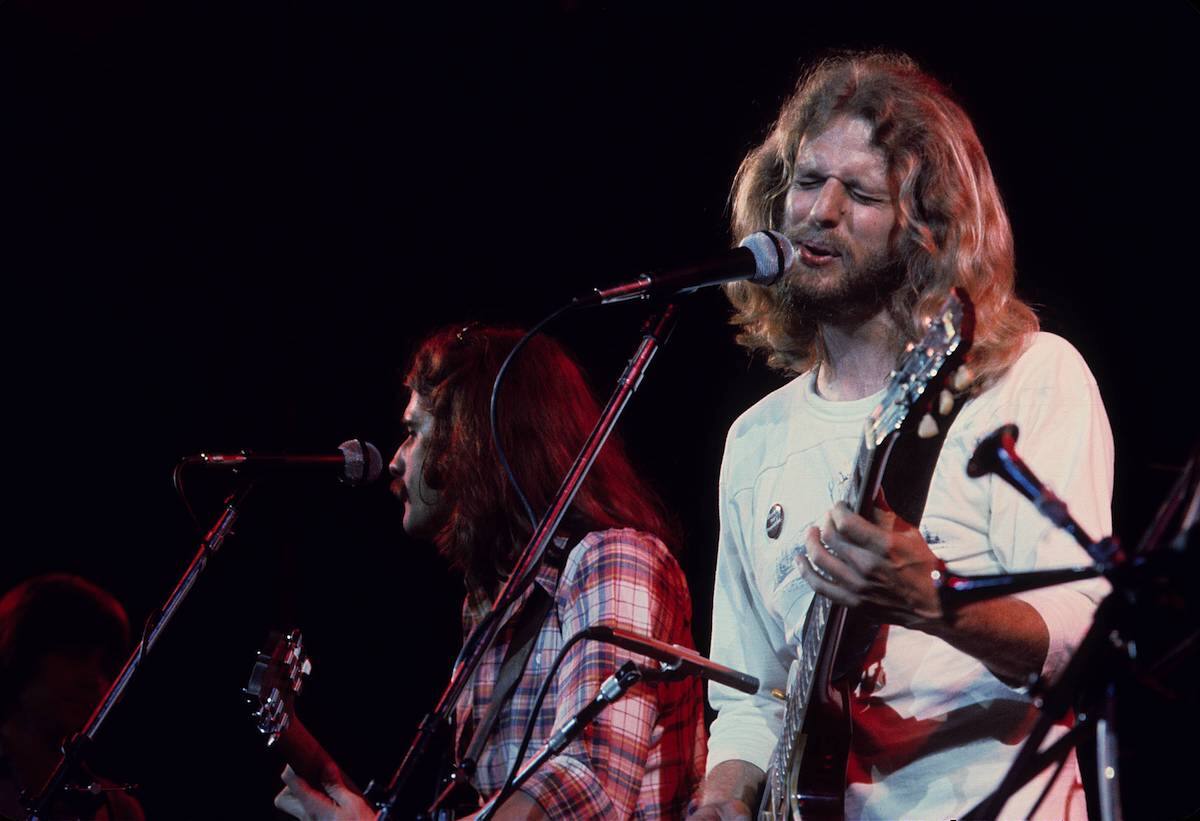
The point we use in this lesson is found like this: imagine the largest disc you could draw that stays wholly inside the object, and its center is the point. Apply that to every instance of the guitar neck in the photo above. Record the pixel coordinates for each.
(868, 474)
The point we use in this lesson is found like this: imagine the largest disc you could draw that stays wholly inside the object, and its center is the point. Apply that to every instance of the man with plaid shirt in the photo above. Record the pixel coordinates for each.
(644, 755)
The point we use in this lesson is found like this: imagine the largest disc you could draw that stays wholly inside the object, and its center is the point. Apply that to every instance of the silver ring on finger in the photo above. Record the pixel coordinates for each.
(824, 574)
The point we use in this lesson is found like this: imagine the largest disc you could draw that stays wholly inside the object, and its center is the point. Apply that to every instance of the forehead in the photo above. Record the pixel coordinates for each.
(843, 148)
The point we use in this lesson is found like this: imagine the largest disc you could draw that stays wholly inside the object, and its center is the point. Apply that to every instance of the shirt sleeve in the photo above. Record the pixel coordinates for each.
(745, 636)
(628, 580)
(1065, 439)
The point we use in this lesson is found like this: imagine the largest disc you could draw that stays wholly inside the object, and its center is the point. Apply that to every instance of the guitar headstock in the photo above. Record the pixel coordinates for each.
(931, 378)
(277, 678)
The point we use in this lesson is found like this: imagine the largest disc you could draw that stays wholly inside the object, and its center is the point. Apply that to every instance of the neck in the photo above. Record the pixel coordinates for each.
(859, 357)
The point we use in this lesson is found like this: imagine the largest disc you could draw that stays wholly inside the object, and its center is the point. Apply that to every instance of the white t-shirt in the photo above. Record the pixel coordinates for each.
(935, 731)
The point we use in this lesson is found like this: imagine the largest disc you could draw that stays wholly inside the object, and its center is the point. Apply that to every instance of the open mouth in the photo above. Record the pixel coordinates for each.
(814, 253)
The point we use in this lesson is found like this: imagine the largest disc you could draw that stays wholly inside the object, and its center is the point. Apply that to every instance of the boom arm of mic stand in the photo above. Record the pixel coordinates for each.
(656, 332)
(75, 749)
(955, 591)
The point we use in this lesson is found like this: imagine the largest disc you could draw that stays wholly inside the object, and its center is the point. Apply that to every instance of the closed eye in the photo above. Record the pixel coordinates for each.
(864, 198)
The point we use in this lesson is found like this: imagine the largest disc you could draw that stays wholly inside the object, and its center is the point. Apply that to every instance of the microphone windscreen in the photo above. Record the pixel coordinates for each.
(363, 462)
(986, 458)
(773, 255)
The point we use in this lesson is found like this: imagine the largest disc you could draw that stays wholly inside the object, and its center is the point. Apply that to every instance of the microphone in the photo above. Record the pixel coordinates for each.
(689, 660)
(358, 462)
(760, 258)
(997, 453)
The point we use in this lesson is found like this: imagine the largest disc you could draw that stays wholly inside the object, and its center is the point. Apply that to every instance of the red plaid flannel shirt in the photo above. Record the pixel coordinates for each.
(644, 755)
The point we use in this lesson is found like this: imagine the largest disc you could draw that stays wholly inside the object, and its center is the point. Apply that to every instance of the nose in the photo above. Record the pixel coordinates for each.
(827, 208)
(396, 466)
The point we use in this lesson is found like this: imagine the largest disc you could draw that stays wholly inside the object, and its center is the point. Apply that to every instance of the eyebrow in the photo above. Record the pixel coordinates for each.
(855, 182)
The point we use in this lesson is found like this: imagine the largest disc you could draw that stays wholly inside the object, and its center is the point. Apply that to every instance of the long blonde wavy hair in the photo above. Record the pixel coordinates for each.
(952, 229)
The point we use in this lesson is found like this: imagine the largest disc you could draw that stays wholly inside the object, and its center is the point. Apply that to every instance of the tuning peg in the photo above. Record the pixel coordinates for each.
(928, 428)
(945, 402)
(962, 378)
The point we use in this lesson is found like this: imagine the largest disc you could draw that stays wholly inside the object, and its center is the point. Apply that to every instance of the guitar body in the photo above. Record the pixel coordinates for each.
(807, 775)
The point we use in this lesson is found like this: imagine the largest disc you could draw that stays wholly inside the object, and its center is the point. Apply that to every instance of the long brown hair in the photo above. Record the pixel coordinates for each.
(546, 413)
(951, 225)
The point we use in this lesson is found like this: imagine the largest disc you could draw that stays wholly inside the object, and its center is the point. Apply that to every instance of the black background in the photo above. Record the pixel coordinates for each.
(226, 223)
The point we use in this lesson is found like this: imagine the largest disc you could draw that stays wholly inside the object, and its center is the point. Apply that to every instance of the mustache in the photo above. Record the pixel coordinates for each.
(823, 240)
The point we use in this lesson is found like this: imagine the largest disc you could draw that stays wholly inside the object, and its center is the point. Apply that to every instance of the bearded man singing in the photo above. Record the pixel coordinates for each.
(877, 176)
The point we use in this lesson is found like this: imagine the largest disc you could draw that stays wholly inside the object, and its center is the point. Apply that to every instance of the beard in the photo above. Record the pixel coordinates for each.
(859, 291)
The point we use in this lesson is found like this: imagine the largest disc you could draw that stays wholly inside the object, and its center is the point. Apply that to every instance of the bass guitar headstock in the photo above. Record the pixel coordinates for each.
(277, 678)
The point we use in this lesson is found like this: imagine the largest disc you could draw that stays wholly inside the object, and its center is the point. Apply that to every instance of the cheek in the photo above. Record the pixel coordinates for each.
(415, 465)
(416, 476)
(883, 224)
(794, 208)
(871, 233)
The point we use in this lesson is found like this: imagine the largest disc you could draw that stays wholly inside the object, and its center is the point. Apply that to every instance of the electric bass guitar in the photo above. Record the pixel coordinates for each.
(807, 775)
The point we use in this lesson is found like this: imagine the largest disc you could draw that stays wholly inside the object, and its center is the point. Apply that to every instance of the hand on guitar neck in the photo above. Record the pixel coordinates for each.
(333, 800)
(314, 785)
